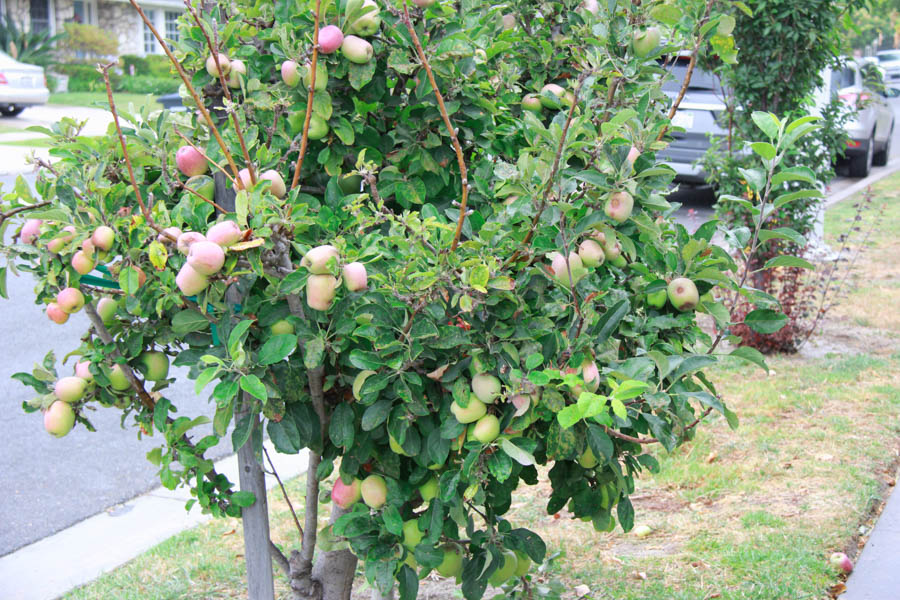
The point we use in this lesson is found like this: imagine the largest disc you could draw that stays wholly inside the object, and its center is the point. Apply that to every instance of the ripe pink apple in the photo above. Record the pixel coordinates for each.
(357, 50)
(213, 69)
(57, 243)
(486, 387)
(83, 370)
(423, 3)
(317, 259)
(591, 375)
(237, 72)
(619, 206)
(633, 155)
(107, 308)
(82, 263)
(471, 413)
(330, 39)
(30, 231)
(70, 300)
(562, 272)
(345, 495)
(154, 365)
(374, 491)
(70, 389)
(612, 249)
(187, 239)
(56, 314)
(189, 281)
(243, 181)
(320, 291)
(290, 73)
(591, 253)
(206, 258)
(103, 238)
(355, 276)
(118, 380)
(508, 21)
(87, 246)
(190, 162)
(277, 186)
(225, 234)
(592, 6)
(59, 419)
(172, 238)
(841, 561)
(683, 294)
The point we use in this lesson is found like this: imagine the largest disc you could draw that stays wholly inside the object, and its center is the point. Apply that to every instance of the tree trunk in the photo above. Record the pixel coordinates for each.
(331, 578)
(260, 585)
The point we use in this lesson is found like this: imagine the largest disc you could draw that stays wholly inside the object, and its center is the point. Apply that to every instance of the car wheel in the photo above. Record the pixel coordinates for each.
(11, 111)
(862, 164)
(882, 156)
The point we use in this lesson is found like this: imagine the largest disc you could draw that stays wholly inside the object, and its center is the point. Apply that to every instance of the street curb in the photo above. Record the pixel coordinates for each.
(79, 554)
(889, 169)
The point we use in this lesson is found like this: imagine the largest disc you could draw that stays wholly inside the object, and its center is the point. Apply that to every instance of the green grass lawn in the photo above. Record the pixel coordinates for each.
(751, 514)
(35, 143)
(99, 100)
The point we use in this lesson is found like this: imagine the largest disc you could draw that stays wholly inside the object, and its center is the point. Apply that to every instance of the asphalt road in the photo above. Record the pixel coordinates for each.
(49, 484)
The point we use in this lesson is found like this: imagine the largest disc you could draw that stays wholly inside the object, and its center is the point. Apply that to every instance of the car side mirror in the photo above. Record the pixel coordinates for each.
(891, 92)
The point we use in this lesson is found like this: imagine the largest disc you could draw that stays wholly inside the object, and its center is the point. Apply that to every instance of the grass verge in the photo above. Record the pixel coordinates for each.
(98, 99)
(746, 515)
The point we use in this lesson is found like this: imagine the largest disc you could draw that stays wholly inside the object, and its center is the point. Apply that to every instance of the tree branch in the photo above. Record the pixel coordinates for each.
(15, 211)
(456, 147)
(284, 493)
(280, 559)
(304, 139)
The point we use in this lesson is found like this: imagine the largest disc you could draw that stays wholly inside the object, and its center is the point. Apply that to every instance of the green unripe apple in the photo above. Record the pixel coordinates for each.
(429, 490)
(321, 76)
(619, 262)
(451, 565)
(587, 459)
(658, 298)
(411, 534)
(118, 380)
(506, 570)
(349, 184)
(486, 429)
(59, 419)
(357, 50)
(106, 308)
(374, 491)
(532, 103)
(281, 327)
(486, 387)
(523, 563)
(591, 253)
(646, 41)
(154, 365)
(368, 23)
(318, 127)
(552, 95)
(683, 294)
(471, 413)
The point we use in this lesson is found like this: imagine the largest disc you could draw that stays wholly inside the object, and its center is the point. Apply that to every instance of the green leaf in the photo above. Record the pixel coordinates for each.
(479, 277)
(284, 435)
(692, 363)
(393, 522)
(204, 378)
(625, 511)
(235, 338)
(128, 280)
(500, 465)
(241, 432)
(764, 149)
(765, 320)
(767, 122)
(568, 416)
(376, 414)
(253, 386)
(408, 583)
(610, 320)
(313, 353)
(782, 233)
(601, 444)
(618, 408)
(341, 429)
(360, 75)
(242, 499)
(798, 173)
(519, 455)
(791, 196)
(751, 355)
(277, 348)
(789, 261)
(534, 360)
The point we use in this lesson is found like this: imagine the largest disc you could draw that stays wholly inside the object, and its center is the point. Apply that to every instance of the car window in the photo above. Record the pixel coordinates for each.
(888, 56)
(842, 78)
(700, 79)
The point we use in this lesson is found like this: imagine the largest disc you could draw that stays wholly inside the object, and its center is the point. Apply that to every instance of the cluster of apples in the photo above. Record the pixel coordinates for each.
(592, 252)
(205, 253)
(93, 249)
(59, 417)
(483, 427)
(321, 285)
(233, 70)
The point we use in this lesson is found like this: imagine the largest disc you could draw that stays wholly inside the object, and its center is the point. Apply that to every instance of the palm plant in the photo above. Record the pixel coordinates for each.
(33, 47)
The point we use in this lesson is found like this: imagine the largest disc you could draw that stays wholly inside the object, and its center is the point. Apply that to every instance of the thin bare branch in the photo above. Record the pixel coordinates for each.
(15, 211)
(304, 138)
(284, 493)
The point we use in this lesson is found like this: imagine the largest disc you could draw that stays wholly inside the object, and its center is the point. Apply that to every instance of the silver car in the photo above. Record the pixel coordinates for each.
(861, 86)
(21, 86)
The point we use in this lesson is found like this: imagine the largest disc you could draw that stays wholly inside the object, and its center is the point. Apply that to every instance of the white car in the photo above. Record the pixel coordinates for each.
(21, 86)
(861, 85)
(889, 60)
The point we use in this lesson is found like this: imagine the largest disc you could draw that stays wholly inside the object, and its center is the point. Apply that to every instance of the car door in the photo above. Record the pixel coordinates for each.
(874, 87)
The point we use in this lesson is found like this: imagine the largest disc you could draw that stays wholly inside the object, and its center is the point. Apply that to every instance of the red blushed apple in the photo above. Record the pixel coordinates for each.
(56, 314)
(225, 234)
(237, 72)
(320, 291)
(330, 39)
(83, 370)
(317, 259)
(206, 258)
(103, 238)
(290, 72)
(82, 263)
(619, 206)
(57, 243)
(213, 69)
(70, 389)
(169, 235)
(841, 561)
(70, 300)
(345, 495)
(190, 162)
(59, 419)
(683, 294)
(374, 491)
(189, 281)
(30, 230)
(188, 239)
(355, 277)
(243, 181)
(277, 186)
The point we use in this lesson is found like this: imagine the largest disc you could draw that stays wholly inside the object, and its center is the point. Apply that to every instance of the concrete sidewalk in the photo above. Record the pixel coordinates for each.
(75, 556)
(877, 572)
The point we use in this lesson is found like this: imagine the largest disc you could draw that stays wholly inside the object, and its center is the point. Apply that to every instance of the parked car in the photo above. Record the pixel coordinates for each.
(21, 86)
(889, 60)
(861, 85)
(697, 114)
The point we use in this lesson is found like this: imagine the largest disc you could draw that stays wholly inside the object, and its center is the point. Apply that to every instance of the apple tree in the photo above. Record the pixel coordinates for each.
(428, 244)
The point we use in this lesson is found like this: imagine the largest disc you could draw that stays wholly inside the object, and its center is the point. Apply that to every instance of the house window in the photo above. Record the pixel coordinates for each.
(149, 40)
(172, 25)
(39, 11)
(83, 12)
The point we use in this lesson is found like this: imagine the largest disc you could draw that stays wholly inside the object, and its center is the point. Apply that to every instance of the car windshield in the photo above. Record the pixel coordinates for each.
(888, 56)
(700, 79)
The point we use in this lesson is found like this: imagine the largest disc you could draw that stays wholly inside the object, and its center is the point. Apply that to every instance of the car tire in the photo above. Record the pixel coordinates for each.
(881, 157)
(11, 111)
(861, 165)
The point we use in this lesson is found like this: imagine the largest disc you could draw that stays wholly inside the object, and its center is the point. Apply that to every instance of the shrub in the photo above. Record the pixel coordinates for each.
(138, 62)
(145, 84)
(88, 41)
(86, 78)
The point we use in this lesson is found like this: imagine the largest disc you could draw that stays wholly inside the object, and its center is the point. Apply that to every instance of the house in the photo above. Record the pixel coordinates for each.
(117, 17)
